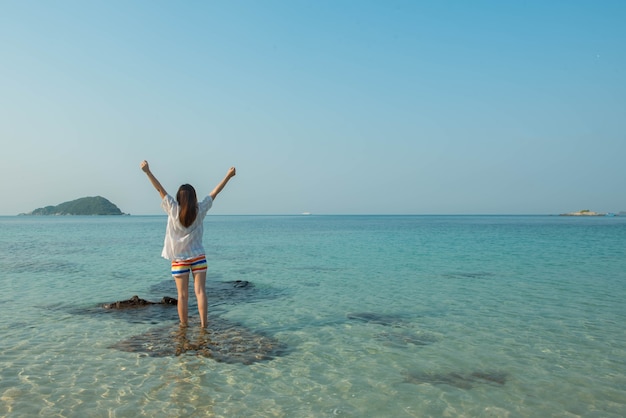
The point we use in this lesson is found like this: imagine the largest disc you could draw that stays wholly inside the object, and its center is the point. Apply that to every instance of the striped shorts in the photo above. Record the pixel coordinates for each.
(195, 265)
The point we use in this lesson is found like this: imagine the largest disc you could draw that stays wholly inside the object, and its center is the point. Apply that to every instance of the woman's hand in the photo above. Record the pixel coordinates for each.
(219, 187)
(146, 169)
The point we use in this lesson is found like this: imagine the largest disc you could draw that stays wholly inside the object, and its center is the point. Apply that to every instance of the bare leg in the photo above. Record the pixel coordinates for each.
(182, 285)
(199, 284)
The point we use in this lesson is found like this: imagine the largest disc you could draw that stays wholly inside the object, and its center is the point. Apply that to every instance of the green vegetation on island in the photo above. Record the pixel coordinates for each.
(584, 212)
(97, 205)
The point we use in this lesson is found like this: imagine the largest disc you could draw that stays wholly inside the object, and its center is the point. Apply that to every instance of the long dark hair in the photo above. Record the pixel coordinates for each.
(188, 203)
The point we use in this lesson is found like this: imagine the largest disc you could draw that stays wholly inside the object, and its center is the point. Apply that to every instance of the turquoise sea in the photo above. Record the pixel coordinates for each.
(354, 316)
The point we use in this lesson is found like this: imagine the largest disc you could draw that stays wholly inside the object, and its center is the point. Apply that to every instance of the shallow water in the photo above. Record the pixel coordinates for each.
(505, 316)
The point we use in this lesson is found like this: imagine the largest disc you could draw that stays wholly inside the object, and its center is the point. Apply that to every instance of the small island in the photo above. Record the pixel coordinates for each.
(96, 205)
(584, 212)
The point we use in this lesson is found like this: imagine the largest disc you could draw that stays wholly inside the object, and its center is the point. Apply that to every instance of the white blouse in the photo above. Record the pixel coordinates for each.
(183, 243)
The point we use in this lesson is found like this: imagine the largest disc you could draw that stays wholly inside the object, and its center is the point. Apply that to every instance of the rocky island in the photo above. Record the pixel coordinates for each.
(584, 212)
(96, 205)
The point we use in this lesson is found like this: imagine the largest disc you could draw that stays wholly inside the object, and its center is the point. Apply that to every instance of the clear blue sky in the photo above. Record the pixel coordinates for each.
(330, 107)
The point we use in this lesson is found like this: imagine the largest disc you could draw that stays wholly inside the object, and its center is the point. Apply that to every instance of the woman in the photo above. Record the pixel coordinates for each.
(183, 240)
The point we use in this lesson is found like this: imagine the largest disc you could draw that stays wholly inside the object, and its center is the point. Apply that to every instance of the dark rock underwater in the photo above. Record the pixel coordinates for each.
(223, 340)
(230, 342)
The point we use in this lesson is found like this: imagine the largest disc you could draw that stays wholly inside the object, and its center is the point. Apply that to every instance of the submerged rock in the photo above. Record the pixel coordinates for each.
(222, 293)
(223, 341)
(405, 338)
(375, 318)
(459, 380)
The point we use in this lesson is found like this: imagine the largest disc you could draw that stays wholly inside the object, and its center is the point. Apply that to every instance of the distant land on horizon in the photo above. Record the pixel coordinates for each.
(587, 212)
(96, 205)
